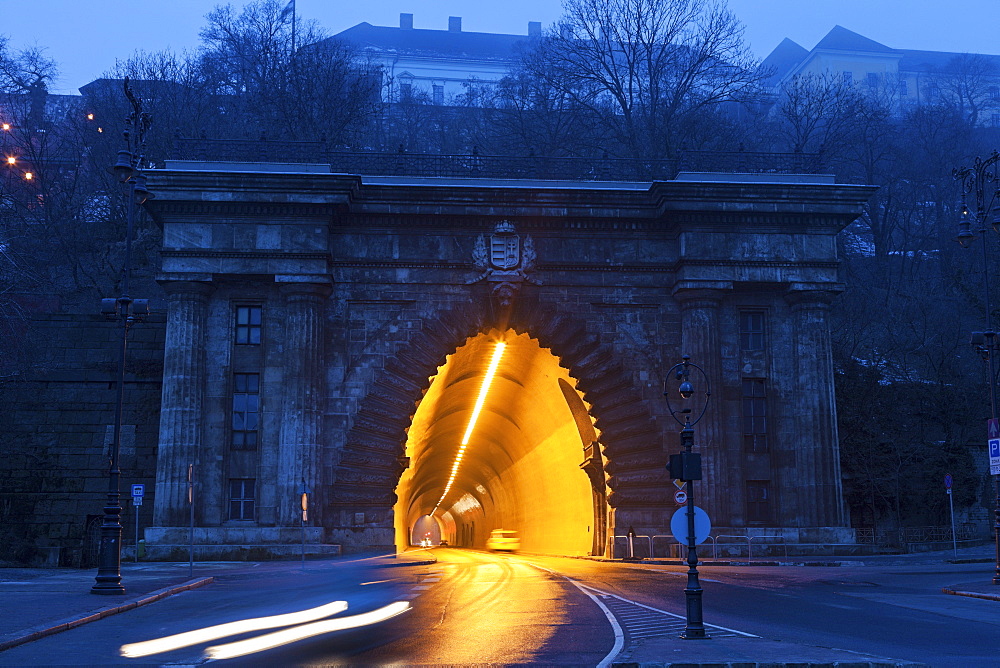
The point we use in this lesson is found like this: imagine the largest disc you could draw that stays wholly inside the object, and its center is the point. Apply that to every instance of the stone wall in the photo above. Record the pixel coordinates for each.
(55, 434)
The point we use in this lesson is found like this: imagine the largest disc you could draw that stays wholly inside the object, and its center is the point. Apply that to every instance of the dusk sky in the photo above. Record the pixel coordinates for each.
(87, 37)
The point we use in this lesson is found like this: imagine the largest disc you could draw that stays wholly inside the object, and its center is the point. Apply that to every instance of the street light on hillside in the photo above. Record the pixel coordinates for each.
(981, 182)
(126, 311)
(686, 466)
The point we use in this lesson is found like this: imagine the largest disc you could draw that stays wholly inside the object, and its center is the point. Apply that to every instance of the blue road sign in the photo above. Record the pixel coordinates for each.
(138, 491)
(947, 481)
(994, 456)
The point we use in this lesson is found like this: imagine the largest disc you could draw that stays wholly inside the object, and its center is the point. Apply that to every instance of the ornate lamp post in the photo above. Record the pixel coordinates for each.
(126, 311)
(982, 183)
(686, 466)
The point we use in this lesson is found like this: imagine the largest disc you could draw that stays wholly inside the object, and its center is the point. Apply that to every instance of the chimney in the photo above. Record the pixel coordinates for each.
(454, 24)
(534, 28)
(406, 21)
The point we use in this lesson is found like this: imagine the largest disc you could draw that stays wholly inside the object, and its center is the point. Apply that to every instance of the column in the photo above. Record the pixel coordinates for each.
(700, 339)
(299, 448)
(818, 483)
(182, 398)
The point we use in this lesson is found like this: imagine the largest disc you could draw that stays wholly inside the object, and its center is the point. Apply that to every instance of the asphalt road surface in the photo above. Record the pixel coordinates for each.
(478, 608)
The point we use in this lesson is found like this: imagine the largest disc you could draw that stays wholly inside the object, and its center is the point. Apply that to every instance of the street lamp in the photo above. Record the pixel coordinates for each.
(982, 182)
(686, 466)
(126, 311)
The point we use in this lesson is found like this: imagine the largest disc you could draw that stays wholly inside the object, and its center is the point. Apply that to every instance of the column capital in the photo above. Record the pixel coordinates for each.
(812, 295)
(314, 286)
(695, 294)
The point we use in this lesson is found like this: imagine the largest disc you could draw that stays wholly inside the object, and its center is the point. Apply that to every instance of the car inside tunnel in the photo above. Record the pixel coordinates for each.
(502, 440)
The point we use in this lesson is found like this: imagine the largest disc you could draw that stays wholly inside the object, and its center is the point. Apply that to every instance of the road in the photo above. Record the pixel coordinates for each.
(476, 607)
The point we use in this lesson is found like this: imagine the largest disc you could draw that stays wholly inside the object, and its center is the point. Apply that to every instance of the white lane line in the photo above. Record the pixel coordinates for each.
(431, 580)
(420, 587)
(619, 633)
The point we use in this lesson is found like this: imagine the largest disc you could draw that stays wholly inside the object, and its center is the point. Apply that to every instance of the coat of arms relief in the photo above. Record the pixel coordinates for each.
(505, 259)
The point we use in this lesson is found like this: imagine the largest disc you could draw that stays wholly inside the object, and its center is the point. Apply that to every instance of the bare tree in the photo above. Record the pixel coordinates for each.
(643, 66)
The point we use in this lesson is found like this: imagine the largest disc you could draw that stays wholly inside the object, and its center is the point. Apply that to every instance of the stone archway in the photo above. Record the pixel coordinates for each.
(362, 496)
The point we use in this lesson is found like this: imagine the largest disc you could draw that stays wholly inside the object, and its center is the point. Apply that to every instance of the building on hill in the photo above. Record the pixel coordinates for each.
(442, 64)
(969, 82)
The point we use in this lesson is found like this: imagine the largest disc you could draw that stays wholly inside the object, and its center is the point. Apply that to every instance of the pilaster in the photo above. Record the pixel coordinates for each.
(181, 413)
(699, 305)
(817, 482)
(299, 449)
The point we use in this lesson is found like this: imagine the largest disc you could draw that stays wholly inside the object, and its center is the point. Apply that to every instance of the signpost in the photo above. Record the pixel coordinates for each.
(680, 497)
(951, 508)
(137, 493)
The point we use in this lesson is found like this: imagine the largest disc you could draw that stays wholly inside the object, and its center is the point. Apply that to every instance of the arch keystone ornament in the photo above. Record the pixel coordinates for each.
(505, 261)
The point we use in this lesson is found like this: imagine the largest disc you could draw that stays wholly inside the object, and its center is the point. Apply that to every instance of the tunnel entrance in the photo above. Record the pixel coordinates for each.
(503, 440)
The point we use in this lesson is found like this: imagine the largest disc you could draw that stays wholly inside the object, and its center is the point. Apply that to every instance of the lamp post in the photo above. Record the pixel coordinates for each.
(686, 466)
(126, 311)
(982, 183)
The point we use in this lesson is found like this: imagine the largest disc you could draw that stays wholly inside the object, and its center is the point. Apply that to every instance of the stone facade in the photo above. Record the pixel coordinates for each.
(364, 285)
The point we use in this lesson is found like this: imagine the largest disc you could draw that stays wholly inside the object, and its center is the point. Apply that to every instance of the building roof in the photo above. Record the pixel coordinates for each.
(842, 39)
(939, 61)
(780, 62)
(435, 43)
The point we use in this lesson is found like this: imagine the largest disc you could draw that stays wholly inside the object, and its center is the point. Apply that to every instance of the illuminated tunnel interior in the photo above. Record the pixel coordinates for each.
(531, 463)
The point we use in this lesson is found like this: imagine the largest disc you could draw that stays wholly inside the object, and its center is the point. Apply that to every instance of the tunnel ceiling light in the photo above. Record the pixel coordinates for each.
(480, 401)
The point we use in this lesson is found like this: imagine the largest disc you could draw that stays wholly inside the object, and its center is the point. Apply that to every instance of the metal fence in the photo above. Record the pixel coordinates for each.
(905, 535)
(476, 165)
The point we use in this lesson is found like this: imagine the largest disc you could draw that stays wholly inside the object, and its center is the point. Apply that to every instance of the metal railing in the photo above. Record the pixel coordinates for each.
(904, 535)
(476, 165)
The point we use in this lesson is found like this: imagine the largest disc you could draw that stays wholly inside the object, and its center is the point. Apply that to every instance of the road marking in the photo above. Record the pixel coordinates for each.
(638, 618)
(615, 626)
(431, 580)
(420, 587)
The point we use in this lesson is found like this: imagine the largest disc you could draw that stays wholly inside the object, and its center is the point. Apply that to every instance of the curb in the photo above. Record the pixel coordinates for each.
(68, 623)
(768, 664)
(971, 594)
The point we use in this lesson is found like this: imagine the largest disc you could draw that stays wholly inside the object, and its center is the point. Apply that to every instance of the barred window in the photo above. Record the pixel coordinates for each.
(248, 319)
(241, 498)
(246, 410)
(754, 415)
(752, 324)
(758, 501)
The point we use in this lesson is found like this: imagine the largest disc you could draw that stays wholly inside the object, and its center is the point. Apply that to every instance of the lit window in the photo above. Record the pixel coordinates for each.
(754, 415)
(246, 410)
(241, 498)
(758, 501)
(248, 319)
(11, 160)
(28, 176)
(752, 330)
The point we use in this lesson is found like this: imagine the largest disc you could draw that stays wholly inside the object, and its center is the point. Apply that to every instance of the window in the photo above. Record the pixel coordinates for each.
(872, 79)
(848, 77)
(754, 415)
(405, 88)
(241, 498)
(994, 93)
(904, 88)
(758, 501)
(752, 330)
(246, 410)
(248, 325)
(438, 94)
(995, 120)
